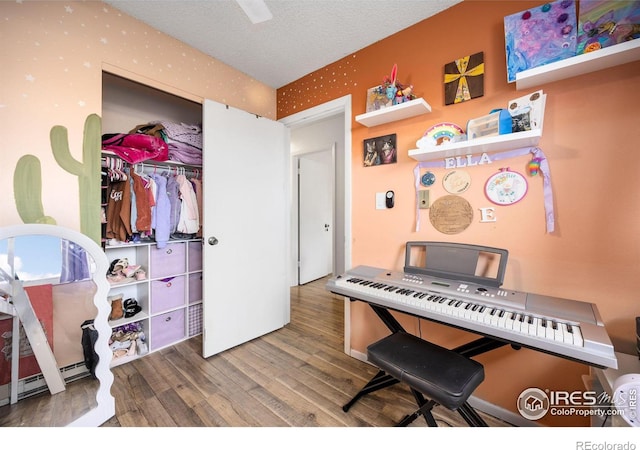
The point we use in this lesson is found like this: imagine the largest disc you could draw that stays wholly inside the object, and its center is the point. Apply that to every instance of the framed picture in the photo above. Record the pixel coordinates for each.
(377, 99)
(380, 150)
(539, 36)
(603, 23)
(464, 79)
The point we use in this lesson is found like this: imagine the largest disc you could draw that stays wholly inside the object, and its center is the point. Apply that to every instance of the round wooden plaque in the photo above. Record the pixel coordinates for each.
(451, 214)
(456, 181)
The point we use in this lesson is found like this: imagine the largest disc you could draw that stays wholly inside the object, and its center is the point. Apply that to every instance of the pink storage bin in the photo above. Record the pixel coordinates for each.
(167, 329)
(167, 294)
(195, 256)
(167, 261)
(195, 287)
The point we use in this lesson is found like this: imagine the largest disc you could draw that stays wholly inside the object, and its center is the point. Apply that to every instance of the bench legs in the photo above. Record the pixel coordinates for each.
(380, 381)
(471, 416)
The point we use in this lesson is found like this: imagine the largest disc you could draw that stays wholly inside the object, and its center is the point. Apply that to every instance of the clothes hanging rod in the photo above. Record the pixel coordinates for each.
(154, 164)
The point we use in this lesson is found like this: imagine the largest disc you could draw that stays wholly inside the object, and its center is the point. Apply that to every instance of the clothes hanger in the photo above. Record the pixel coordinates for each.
(121, 166)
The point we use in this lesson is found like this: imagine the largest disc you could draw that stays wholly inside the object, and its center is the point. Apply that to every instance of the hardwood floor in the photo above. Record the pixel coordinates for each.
(298, 376)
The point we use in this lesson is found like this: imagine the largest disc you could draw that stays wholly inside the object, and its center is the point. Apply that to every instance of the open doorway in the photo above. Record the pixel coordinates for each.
(313, 119)
(318, 129)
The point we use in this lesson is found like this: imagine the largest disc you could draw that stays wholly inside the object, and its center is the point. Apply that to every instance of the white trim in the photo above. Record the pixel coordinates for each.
(356, 354)
(500, 413)
(332, 108)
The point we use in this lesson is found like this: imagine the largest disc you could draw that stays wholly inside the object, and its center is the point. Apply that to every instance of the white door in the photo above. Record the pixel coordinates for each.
(315, 209)
(245, 227)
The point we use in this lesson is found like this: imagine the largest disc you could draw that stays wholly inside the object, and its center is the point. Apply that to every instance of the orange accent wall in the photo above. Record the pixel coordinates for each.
(591, 135)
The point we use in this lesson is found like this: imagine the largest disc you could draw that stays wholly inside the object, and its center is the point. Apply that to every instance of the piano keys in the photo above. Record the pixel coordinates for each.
(566, 328)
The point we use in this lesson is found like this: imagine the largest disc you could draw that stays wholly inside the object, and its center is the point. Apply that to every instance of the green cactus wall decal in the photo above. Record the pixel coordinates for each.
(27, 191)
(87, 171)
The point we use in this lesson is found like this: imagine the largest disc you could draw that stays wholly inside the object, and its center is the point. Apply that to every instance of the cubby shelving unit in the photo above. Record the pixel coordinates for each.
(170, 295)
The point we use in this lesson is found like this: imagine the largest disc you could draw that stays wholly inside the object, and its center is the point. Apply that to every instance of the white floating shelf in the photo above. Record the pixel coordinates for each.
(400, 111)
(578, 65)
(480, 145)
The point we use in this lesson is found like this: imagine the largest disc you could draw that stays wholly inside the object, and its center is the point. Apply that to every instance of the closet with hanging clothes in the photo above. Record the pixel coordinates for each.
(151, 217)
(243, 245)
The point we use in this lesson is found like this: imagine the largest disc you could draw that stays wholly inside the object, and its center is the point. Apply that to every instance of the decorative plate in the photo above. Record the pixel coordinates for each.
(506, 187)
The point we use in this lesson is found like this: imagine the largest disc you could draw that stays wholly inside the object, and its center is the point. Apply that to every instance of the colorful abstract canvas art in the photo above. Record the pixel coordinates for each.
(603, 23)
(539, 36)
(464, 79)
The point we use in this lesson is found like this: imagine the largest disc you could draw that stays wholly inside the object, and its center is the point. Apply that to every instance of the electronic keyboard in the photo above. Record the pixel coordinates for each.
(567, 328)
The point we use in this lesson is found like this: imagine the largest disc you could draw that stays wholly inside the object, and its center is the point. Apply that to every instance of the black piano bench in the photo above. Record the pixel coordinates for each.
(444, 376)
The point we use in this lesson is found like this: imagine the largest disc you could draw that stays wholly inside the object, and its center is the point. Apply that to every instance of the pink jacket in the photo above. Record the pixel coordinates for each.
(189, 217)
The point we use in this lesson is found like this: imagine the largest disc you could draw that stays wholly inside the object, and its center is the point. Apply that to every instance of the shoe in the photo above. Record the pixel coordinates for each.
(118, 279)
(121, 336)
(142, 347)
(117, 312)
(132, 349)
(118, 345)
(131, 307)
(130, 271)
(118, 265)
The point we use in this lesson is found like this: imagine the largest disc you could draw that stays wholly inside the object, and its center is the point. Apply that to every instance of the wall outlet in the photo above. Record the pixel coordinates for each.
(423, 199)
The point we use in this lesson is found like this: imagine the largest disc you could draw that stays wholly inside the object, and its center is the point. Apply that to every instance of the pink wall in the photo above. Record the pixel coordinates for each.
(53, 54)
(591, 131)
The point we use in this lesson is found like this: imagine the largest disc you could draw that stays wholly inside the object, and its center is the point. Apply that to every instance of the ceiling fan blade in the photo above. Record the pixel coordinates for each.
(256, 10)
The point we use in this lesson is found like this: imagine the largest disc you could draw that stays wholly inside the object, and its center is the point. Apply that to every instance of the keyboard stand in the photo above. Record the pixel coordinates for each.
(451, 261)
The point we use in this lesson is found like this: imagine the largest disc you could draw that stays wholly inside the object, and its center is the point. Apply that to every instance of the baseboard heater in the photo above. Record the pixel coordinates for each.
(36, 384)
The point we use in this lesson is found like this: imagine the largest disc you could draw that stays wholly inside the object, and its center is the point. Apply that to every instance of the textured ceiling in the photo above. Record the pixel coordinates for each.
(303, 36)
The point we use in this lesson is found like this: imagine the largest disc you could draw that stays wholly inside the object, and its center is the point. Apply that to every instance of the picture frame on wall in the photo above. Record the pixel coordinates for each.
(380, 150)
(377, 99)
(464, 79)
(603, 23)
(539, 36)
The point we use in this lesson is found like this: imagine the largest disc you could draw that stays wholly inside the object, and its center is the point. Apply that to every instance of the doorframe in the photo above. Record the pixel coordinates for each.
(340, 105)
(296, 189)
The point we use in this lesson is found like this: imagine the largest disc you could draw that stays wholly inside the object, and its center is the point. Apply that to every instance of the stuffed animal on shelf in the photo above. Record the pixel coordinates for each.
(396, 91)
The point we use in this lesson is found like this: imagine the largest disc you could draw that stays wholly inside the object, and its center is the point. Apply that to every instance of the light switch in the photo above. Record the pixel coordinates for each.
(381, 200)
